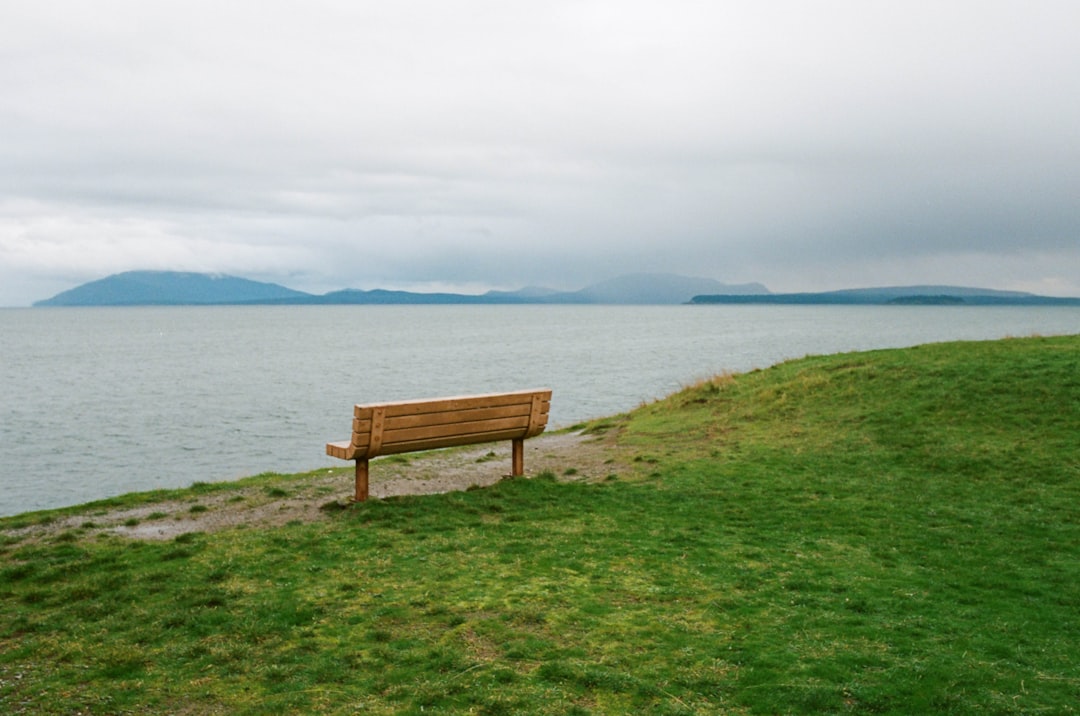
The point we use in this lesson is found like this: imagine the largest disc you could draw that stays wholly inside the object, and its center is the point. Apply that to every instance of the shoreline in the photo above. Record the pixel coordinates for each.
(273, 500)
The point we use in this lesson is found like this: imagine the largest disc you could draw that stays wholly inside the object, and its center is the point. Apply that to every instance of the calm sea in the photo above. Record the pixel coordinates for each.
(99, 402)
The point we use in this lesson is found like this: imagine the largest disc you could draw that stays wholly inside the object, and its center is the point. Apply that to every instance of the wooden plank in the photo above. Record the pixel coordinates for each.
(347, 451)
(444, 417)
(378, 428)
(448, 441)
(340, 450)
(479, 427)
(441, 423)
(363, 425)
(407, 407)
(536, 413)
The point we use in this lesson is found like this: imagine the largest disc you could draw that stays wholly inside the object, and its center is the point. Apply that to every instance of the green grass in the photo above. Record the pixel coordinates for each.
(890, 532)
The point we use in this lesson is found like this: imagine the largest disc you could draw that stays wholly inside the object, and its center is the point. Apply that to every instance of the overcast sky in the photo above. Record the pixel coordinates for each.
(467, 145)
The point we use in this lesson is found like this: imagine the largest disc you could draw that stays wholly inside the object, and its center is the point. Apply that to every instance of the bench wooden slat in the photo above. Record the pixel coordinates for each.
(429, 438)
(391, 435)
(412, 407)
(450, 441)
(522, 426)
(401, 422)
(464, 429)
(340, 449)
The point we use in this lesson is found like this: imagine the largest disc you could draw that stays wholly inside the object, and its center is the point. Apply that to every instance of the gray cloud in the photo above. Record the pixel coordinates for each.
(493, 144)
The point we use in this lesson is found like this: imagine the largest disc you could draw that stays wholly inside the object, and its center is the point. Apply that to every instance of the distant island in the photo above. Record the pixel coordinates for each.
(173, 288)
(895, 296)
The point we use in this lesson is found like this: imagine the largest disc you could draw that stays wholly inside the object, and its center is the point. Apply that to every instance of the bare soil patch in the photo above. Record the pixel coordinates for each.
(570, 456)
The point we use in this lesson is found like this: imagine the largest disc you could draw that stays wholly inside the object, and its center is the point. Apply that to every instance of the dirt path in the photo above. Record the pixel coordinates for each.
(571, 456)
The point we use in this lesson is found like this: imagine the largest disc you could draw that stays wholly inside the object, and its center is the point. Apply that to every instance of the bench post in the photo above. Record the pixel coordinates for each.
(361, 479)
(517, 467)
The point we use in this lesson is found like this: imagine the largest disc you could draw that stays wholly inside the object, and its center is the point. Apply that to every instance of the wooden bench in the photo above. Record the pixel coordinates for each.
(411, 425)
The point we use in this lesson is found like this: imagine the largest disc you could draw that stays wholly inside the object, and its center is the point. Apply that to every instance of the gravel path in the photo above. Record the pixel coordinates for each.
(571, 456)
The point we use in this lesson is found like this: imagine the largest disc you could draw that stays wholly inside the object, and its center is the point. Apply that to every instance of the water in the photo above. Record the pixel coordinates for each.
(99, 402)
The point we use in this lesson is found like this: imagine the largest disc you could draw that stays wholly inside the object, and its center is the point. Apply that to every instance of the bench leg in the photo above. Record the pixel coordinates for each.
(517, 468)
(361, 480)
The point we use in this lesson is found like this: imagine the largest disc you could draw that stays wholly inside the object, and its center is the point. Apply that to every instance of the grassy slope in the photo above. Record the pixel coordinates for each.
(885, 532)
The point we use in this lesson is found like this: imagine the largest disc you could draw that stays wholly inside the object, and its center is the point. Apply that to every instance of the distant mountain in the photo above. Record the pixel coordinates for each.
(652, 288)
(171, 288)
(352, 296)
(897, 295)
(642, 289)
(529, 293)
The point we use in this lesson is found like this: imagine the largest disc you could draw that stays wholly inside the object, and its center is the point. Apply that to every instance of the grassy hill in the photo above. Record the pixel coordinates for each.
(887, 532)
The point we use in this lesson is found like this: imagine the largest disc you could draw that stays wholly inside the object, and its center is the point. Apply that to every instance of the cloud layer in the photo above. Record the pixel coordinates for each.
(495, 144)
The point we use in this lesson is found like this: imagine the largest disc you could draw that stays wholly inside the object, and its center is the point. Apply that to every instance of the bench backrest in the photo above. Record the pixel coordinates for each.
(410, 425)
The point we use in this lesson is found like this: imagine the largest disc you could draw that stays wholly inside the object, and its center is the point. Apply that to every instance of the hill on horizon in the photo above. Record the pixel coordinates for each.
(175, 288)
(172, 288)
(652, 288)
(895, 295)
